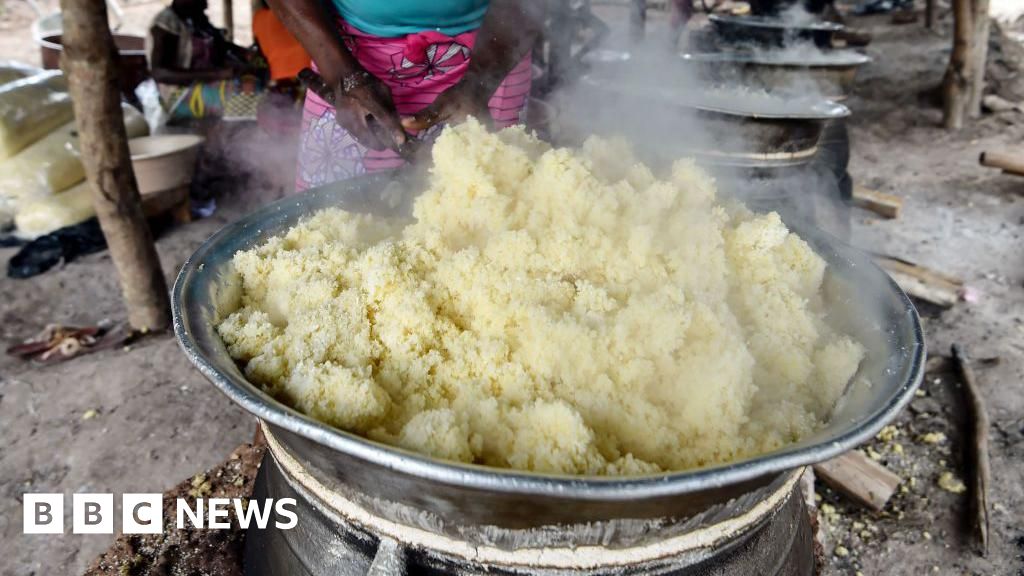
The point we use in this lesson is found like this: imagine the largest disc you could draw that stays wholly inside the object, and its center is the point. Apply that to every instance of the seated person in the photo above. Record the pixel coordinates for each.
(280, 112)
(200, 73)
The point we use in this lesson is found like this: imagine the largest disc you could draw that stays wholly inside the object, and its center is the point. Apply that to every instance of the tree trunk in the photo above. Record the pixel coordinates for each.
(637, 20)
(90, 63)
(229, 18)
(957, 84)
(979, 56)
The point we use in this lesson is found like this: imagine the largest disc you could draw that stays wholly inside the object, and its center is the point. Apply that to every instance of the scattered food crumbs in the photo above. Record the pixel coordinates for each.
(841, 551)
(897, 448)
(201, 486)
(858, 525)
(90, 414)
(933, 438)
(950, 483)
(927, 535)
(873, 454)
(919, 393)
(942, 462)
(888, 434)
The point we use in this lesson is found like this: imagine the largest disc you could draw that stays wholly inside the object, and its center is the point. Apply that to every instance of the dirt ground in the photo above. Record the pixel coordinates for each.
(140, 419)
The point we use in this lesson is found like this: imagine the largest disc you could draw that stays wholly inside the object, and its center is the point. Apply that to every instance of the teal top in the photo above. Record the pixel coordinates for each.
(393, 18)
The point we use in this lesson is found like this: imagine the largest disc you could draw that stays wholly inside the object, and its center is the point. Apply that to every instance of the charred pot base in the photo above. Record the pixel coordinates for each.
(336, 536)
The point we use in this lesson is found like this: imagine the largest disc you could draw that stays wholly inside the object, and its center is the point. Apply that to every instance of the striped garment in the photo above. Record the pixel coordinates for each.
(417, 68)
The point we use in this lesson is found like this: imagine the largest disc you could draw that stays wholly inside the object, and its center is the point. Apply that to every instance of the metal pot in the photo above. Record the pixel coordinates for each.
(389, 481)
(726, 126)
(829, 74)
(766, 31)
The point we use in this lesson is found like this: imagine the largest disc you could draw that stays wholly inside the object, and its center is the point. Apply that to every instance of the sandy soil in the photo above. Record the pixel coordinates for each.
(158, 422)
(965, 220)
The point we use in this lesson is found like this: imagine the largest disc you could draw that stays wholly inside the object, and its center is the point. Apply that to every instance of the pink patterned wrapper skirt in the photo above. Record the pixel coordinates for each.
(417, 68)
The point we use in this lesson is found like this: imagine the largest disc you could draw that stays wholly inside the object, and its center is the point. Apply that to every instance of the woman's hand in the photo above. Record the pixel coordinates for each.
(364, 107)
(452, 106)
(499, 48)
(363, 103)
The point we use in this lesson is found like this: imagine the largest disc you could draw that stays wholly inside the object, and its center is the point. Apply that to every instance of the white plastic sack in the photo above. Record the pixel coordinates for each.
(44, 215)
(52, 164)
(11, 71)
(31, 108)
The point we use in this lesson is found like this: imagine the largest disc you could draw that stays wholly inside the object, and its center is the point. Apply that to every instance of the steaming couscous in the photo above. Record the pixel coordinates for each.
(548, 309)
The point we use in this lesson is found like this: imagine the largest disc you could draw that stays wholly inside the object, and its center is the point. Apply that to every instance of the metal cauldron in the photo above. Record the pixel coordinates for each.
(389, 482)
(723, 125)
(830, 74)
(768, 31)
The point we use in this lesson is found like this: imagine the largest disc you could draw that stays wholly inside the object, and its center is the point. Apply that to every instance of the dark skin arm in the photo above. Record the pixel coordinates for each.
(165, 70)
(363, 103)
(507, 34)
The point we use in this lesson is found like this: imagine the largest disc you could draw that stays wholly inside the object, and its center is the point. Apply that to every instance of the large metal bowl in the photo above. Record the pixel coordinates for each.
(720, 125)
(412, 488)
(769, 31)
(829, 74)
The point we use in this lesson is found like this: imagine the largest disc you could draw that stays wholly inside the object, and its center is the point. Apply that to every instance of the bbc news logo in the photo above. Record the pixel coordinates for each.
(143, 513)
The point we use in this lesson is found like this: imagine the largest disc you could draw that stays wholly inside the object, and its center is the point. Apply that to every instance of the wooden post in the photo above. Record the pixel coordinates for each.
(90, 63)
(637, 20)
(929, 14)
(957, 84)
(229, 19)
(979, 56)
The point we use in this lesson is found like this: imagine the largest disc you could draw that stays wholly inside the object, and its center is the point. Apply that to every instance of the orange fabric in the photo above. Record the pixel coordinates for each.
(283, 52)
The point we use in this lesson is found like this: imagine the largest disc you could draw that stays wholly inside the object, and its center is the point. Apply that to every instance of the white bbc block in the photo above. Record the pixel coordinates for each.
(92, 514)
(43, 514)
(142, 513)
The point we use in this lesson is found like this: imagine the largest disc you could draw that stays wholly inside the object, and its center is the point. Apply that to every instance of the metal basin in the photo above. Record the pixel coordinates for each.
(766, 31)
(726, 126)
(829, 74)
(413, 489)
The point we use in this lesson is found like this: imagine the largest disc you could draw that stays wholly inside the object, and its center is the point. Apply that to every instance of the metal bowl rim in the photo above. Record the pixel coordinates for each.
(775, 23)
(854, 60)
(592, 488)
(818, 109)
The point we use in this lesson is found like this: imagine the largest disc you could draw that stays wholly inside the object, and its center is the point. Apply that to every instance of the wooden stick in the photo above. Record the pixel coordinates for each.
(886, 205)
(1012, 163)
(862, 479)
(977, 448)
(957, 82)
(90, 62)
(923, 283)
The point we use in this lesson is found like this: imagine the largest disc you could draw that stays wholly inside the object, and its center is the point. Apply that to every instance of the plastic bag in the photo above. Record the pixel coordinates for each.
(52, 164)
(11, 71)
(148, 95)
(44, 215)
(65, 245)
(31, 108)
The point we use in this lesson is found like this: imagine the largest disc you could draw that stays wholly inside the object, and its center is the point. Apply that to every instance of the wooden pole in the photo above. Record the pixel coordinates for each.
(229, 19)
(956, 84)
(90, 63)
(637, 20)
(979, 56)
(929, 14)
(1006, 161)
